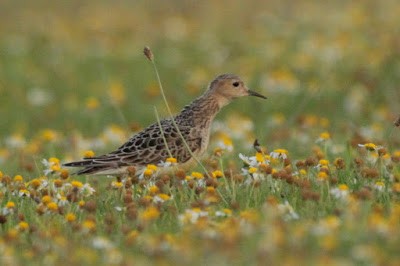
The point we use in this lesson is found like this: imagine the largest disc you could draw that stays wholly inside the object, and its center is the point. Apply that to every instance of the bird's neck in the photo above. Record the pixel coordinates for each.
(203, 109)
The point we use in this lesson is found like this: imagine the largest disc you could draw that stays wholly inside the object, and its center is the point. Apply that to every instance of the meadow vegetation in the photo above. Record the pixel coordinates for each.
(321, 186)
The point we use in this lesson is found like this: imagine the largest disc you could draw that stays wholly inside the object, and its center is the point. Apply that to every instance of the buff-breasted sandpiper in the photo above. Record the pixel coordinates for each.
(149, 146)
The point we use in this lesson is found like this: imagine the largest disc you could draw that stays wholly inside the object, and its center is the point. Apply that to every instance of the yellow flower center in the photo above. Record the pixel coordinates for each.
(77, 184)
(197, 175)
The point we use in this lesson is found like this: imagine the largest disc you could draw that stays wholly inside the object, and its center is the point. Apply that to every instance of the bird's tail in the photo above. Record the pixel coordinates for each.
(90, 167)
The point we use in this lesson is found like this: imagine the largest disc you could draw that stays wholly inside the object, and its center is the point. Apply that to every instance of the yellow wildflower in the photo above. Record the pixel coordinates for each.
(18, 178)
(150, 213)
(52, 206)
(49, 135)
(325, 136)
(172, 160)
(70, 217)
(35, 183)
(369, 146)
(217, 174)
(88, 154)
(323, 162)
(116, 184)
(76, 184)
(197, 175)
(153, 190)
(396, 187)
(81, 203)
(92, 103)
(252, 170)
(10, 205)
(89, 225)
(46, 199)
(322, 176)
(23, 226)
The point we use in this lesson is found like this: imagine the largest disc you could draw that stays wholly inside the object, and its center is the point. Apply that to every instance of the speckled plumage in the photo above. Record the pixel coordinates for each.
(194, 123)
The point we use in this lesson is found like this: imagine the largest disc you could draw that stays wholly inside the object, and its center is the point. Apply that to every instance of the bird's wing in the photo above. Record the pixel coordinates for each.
(148, 147)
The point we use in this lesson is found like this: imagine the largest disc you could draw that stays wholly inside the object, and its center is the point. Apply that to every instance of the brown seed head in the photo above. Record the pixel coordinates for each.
(90, 206)
(370, 173)
(309, 194)
(397, 122)
(382, 151)
(310, 161)
(148, 53)
(257, 146)
(3, 219)
(339, 163)
(131, 171)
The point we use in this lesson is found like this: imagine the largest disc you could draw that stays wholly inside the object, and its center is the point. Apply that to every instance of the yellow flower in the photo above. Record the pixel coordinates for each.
(396, 153)
(46, 199)
(172, 160)
(303, 172)
(368, 146)
(132, 235)
(259, 157)
(116, 184)
(228, 212)
(49, 135)
(18, 178)
(252, 170)
(210, 189)
(81, 203)
(163, 196)
(70, 217)
(88, 154)
(324, 162)
(55, 167)
(279, 154)
(197, 175)
(24, 192)
(35, 183)
(322, 176)
(324, 136)
(117, 92)
(150, 213)
(10, 205)
(250, 216)
(52, 206)
(147, 172)
(396, 187)
(152, 167)
(343, 187)
(217, 174)
(89, 225)
(23, 226)
(54, 160)
(153, 190)
(92, 103)
(76, 184)
(12, 233)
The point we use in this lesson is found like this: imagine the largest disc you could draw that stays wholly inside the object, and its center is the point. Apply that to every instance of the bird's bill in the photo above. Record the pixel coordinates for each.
(253, 93)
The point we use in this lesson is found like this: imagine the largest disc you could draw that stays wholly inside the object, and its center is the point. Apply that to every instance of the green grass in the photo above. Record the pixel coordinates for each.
(73, 78)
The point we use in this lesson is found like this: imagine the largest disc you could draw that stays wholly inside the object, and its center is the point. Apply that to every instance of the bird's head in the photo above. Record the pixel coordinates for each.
(227, 87)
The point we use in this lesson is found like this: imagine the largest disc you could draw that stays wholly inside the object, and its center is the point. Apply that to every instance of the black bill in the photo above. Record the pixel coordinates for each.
(253, 93)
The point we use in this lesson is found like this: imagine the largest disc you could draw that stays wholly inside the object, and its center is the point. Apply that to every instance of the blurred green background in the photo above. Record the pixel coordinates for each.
(70, 65)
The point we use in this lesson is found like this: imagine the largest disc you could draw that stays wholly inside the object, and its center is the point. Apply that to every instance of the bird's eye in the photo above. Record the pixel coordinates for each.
(236, 84)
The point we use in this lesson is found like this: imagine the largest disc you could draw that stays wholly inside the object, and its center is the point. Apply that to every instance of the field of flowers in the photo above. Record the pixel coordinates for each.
(321, 186)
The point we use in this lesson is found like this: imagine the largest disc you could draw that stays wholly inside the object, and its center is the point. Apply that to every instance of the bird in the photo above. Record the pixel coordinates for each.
(163, 139)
